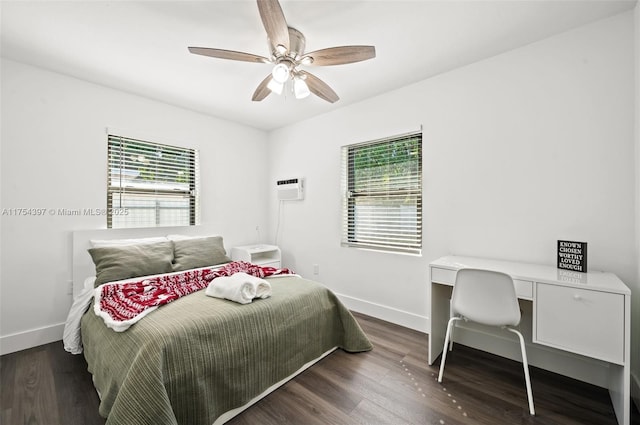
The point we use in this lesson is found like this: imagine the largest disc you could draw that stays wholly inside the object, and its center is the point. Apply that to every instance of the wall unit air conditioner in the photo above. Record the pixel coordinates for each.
(290, 189)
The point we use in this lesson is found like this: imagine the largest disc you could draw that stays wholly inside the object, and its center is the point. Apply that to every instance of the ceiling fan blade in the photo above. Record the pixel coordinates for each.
(342, 55)
(319, 87)
(262, 91)
(228, 54)
(274, 23)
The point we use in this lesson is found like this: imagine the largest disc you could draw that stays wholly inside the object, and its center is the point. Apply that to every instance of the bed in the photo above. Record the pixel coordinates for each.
(203, 360)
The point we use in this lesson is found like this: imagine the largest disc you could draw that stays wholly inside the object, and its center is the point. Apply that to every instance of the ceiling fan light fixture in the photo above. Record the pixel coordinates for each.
(275, 86)
(300, 88)
(280, 73)
(287, 54)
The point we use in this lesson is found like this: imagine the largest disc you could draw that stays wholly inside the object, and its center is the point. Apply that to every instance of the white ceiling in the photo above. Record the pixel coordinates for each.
(141, 46)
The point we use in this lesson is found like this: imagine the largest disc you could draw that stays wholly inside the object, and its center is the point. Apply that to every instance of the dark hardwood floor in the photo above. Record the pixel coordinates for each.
(392, 385)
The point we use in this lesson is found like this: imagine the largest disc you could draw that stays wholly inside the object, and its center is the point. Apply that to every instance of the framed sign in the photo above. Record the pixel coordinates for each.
(572, 256)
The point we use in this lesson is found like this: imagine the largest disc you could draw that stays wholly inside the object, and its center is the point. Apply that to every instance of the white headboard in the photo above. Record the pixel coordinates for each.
(83, 264)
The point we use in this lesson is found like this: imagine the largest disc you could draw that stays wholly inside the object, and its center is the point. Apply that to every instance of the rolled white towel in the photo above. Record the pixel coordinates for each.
(263, 288)
(231, 288)
(239, 287)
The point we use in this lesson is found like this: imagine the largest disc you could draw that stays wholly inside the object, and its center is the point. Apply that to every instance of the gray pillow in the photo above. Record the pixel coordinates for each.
(123, 262)
(198, 252)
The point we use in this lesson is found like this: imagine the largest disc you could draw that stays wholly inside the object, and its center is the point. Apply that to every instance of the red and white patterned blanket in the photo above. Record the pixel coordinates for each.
(123, 304)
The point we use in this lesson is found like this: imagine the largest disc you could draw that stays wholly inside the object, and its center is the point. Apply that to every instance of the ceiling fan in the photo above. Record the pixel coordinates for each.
(287, 55)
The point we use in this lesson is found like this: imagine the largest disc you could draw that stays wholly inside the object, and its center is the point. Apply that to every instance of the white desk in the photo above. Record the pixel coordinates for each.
(583, 313)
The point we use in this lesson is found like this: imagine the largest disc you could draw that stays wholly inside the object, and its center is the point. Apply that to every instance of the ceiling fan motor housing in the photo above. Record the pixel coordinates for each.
(296, 45)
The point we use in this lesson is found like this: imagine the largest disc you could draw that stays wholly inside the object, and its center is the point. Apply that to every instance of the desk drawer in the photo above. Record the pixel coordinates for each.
(582, 321)
(524, 288)
(446, 276)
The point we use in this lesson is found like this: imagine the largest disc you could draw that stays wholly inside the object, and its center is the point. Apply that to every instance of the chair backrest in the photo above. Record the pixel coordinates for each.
(486, 297)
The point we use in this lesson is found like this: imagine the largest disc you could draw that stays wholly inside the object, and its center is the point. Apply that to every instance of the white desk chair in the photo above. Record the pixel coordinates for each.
(489, 298)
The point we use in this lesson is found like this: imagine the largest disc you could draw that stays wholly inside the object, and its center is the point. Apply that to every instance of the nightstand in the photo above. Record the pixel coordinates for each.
(260, 254)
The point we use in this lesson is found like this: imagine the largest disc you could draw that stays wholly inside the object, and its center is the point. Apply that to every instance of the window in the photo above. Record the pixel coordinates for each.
(151, 185)
(382, 184)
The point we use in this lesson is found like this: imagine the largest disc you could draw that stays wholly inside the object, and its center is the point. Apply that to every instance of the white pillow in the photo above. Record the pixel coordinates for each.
(102, 243)
(185, 237)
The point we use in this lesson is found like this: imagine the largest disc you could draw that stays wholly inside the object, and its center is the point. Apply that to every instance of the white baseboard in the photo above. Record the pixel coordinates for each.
(31, 338)
(390, 314)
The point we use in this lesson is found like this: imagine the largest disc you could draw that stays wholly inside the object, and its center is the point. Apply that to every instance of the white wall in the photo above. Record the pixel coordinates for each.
(635, 289)
(520, 150)
(54, 156)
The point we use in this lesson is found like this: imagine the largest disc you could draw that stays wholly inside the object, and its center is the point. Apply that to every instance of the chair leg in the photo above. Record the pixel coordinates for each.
(446, 344)
(525, 366)
(453, 328)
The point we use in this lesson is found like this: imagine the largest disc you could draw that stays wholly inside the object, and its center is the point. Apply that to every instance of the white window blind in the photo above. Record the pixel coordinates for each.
(150, 184)
(382, 186)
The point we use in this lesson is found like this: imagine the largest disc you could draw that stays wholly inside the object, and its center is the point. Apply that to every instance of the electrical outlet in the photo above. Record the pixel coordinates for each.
(70, 287)
(316, 269)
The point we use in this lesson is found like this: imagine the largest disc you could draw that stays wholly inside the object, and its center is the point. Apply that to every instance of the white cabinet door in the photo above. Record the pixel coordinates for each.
(580, 320)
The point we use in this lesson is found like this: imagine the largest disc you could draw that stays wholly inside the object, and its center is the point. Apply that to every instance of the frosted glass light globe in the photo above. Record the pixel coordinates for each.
(280, 73)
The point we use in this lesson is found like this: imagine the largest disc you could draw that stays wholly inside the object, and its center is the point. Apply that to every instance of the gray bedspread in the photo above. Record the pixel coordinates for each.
(198, 357)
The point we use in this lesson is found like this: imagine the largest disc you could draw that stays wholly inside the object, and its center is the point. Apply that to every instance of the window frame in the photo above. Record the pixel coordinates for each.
(192, 193)
(351, 197)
